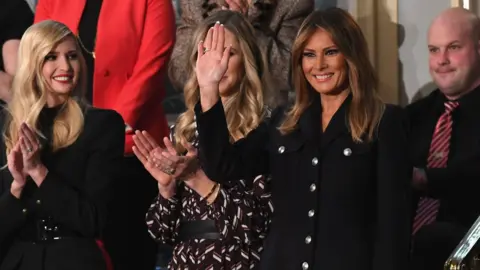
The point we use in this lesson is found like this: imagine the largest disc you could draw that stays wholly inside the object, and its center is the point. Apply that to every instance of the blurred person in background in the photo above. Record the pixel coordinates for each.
(15, 17)
(275, 22)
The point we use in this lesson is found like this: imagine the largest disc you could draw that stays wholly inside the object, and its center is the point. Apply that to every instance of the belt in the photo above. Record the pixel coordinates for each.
(198, 229)
(44, 230)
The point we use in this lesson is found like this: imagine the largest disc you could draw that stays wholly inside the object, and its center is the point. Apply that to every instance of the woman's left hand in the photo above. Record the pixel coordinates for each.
(183, 166)
(30, 147)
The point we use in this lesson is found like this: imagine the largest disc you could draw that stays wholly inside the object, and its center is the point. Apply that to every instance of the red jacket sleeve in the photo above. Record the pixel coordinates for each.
(153, 56)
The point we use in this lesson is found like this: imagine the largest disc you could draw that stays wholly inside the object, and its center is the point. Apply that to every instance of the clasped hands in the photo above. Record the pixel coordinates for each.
(24, 160)
(164, 164)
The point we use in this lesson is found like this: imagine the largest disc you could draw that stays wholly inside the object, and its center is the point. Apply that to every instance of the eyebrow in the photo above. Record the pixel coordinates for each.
(449, 44)
(324, 49)
(69, 52)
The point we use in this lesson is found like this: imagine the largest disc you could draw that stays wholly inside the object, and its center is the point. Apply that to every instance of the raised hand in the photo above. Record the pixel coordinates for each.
(212, 60)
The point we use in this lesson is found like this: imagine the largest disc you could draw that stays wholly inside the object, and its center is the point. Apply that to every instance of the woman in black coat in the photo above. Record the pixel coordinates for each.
(338, 157)
(62, 159)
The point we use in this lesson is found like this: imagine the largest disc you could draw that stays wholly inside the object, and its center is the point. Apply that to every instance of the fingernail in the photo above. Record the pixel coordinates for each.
(221, 25)
(218, 22)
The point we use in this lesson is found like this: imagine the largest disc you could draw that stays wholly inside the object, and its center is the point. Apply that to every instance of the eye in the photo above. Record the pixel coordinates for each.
(308, 54)
(72, 56)
(332, 52)
(454, 47)
(50, 57)
(433, 50)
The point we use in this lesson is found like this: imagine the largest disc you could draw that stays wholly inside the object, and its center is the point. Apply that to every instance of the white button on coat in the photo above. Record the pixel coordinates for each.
(308, 239)
(347, 152)
(304, 265)
(281, 149)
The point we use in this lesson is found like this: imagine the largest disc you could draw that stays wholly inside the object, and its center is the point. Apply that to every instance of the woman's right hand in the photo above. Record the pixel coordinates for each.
(16, 168)
(142, 149)
(212, 63)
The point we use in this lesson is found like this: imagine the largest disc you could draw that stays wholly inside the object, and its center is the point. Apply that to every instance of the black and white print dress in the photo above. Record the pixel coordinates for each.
(242, 214)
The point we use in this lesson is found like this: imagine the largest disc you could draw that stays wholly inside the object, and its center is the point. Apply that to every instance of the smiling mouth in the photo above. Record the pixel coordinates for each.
(63, 78)
(323, 77)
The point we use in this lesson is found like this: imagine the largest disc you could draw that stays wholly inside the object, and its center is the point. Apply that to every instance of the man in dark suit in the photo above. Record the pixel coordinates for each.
(445, 140)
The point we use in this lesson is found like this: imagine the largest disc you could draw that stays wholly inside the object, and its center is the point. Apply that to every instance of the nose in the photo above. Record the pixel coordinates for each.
(320, 62)
(64, 63)
(443, 58)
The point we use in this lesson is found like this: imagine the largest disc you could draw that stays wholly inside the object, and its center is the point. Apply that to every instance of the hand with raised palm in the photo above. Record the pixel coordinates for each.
(212, 63)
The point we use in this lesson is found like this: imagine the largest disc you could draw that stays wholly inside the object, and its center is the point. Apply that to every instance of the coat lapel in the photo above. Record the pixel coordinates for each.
(310, 123)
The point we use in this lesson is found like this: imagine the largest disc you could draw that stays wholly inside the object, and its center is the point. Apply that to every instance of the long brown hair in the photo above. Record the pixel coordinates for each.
(366, 108)
(245, 109)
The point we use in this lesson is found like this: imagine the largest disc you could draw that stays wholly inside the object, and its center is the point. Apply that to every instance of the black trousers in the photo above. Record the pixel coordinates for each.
(126, 237)
(433, 244)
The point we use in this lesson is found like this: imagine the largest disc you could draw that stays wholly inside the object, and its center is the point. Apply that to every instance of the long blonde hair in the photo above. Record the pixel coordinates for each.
(29, 88)
(366, 107)
(244, 110)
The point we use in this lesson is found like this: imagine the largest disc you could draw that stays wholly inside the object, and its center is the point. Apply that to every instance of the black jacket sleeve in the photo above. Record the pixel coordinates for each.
(220, 159)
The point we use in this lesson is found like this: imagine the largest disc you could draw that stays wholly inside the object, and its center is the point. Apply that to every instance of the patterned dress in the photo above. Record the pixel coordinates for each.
(241, 211)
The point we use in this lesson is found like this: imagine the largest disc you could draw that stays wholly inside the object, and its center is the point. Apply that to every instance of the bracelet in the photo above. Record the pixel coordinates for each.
(211, 192)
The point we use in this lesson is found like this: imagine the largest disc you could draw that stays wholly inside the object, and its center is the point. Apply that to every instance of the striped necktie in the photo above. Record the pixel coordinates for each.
(437, 158)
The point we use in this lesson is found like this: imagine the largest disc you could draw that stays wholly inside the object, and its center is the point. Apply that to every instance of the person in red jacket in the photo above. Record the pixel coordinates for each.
(127, 47)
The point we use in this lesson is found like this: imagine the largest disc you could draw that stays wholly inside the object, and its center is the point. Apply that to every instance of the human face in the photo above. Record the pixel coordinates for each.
(61, 70)
(453, 57)
(235, 71)
(323, 65)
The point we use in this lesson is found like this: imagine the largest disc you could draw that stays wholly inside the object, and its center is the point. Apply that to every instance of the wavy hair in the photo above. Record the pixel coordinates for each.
(245, 109)
(366, 107)
(29, 88)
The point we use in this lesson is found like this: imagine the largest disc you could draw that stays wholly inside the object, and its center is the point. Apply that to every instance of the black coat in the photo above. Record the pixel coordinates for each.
(339, 205)
(74, 197)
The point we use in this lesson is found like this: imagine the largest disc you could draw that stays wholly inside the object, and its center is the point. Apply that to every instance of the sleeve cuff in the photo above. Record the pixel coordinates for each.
(216, 109)
(43, 198)
(13, 212)
(171, 203)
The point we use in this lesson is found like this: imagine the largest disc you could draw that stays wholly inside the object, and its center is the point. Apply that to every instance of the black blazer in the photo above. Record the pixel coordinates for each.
(74, 197)
(339, 205)
(456, 186)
